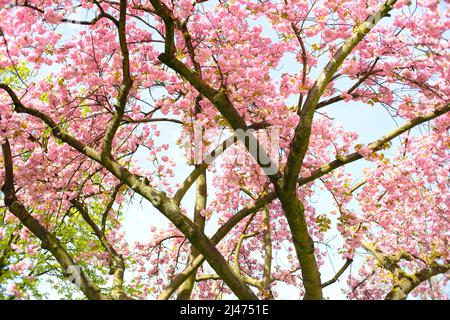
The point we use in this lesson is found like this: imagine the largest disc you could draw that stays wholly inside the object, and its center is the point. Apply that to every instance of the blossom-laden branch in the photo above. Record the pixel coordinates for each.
(300, 143)
(127, 83)
(375, 145)
(403, 283)
(316, 174)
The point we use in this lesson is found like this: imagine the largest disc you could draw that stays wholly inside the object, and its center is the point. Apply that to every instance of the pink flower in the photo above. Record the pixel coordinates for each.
(347, 97)
(52, 17)
(363, 150)
(203, 55)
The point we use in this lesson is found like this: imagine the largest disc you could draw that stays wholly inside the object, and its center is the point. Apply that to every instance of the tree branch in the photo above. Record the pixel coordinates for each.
(127, 83)
(267, 275)
(217, 97)
(374, 146)
(402, 282)
(199, 169)
(218, 236)
(350, 91)
(253, 282)
(199, 219)
(338, 274)
(118, 264)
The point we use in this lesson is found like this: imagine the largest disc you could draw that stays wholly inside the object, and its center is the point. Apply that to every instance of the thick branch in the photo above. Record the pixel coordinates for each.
(199, 169)
(292, 206)
(253, 282)
(218, 236)
(267, 292)
(402, 282)
(200, 205)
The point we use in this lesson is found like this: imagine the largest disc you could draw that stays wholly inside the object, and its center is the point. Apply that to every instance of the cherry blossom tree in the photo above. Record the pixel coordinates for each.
(88, 90)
